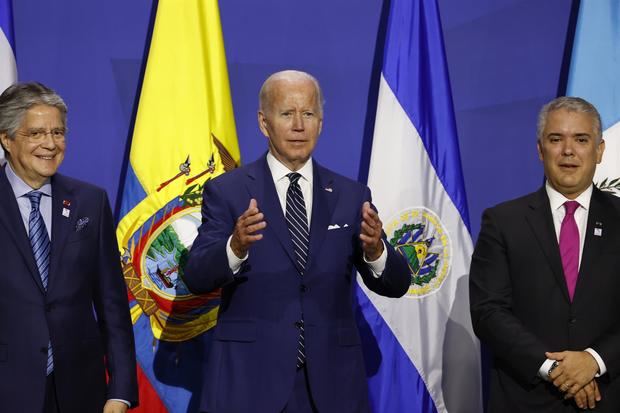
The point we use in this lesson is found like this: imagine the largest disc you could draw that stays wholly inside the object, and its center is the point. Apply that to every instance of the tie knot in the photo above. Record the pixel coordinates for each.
(35, 198)
(570, 207)
(293, 177)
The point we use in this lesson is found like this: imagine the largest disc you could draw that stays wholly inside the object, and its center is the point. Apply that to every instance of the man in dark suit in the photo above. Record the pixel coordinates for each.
(64, 319)
(545, 278)
(281, 237)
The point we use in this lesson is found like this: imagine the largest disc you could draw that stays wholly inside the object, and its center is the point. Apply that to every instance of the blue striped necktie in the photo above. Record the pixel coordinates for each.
(41, 246)
(297, 221)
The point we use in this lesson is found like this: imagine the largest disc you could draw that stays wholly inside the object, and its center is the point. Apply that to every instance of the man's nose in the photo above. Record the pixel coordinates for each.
(298, 122)
(567, 148)
(48, 141)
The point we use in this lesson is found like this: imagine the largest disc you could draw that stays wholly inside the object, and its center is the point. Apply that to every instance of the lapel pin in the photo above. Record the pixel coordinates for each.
(329, 189)
(65, 208)
(598, 228)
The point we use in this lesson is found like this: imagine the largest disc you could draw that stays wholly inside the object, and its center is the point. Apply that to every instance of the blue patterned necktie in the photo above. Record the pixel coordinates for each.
(297, 221)
(41, 246)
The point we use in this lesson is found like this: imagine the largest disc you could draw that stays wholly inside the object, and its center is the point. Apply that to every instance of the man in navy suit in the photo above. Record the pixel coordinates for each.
(64, 319)
(282, 237)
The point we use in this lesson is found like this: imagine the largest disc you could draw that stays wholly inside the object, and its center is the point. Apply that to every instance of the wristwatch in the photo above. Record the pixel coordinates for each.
(553, 366)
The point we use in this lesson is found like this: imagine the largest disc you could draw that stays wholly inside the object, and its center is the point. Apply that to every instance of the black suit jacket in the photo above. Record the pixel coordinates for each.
(84, 311)
(520, 305)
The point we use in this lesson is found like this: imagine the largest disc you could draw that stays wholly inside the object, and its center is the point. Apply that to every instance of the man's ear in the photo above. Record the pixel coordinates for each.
(262, 123)
(600, 148)
(4, 138)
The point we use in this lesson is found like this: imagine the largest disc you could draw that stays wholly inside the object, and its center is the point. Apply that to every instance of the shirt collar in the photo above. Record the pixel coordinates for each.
(20, 188)
(279, 170)
(557, 200)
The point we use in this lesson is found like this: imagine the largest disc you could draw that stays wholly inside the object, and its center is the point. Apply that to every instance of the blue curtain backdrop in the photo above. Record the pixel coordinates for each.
(504, 59)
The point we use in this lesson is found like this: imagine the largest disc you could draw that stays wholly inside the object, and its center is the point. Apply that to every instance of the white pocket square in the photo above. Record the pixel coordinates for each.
(336, 226)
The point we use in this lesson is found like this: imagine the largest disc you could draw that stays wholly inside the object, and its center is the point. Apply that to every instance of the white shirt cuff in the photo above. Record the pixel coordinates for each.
(602, 369)
(543, 371)
(377, 266)
(234, 262)
(123, 401)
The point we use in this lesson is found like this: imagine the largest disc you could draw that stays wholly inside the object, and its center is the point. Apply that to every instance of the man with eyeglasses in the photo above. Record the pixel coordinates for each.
(66, 341)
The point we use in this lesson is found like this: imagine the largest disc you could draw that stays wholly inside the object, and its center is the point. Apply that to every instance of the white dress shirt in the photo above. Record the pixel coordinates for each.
(556, 201)
(279, 174)
(21, 190)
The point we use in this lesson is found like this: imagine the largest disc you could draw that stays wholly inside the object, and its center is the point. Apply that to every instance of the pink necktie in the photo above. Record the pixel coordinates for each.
(569, 246)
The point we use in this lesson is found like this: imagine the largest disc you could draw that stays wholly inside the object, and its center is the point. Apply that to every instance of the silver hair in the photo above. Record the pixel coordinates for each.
(571, 104)
(17, 99)
(264, 95)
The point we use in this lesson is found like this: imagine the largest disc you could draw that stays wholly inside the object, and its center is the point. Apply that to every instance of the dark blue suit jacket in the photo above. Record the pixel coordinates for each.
(252, 362)
(84, 311)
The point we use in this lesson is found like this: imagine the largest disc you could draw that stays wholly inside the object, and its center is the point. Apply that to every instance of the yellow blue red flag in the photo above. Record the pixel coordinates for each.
(184, 134)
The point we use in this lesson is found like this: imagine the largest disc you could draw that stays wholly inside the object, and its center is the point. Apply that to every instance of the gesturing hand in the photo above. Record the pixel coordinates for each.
(576, 369)
(244, 235)
(371, 233)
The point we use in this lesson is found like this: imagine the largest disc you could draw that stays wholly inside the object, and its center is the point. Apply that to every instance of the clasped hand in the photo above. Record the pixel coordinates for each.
(574, 376)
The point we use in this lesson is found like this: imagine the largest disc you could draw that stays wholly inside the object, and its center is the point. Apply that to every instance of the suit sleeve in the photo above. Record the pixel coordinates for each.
(207, 268)
(112, 308)
(608, 345)
(395, 279)
(491, 305)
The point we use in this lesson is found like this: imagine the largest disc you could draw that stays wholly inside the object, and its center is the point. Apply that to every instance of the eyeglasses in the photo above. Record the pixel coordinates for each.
(38, 135)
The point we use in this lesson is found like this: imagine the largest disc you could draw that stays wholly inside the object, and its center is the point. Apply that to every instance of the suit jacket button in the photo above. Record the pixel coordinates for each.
(303, 288)
(572, 320)
(298, 324)
(43, 350)
(48, 308)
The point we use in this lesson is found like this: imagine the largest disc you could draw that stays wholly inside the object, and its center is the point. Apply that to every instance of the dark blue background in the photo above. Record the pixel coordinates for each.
(504, 57)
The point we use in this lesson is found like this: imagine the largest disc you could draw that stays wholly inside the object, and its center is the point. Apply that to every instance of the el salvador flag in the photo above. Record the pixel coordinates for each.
(421, 353)
(595, 76)
(8, 70)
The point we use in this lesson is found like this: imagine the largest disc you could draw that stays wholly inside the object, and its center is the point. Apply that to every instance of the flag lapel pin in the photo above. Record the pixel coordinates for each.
(65, 208)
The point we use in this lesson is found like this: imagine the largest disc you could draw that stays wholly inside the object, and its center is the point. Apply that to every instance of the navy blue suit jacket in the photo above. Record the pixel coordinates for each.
(252, 361)
(84, 311)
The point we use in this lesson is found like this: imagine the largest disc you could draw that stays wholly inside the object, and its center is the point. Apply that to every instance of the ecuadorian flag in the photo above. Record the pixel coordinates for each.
(8, 69)
(184, 135)
(421, 353)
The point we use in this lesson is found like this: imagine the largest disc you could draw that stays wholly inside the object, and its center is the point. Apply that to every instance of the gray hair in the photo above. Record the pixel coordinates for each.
(264, 96)
(571, 104)
(17, 99)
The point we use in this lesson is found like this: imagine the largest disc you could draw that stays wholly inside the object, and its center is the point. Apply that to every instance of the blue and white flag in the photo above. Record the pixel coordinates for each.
(421, 353)
(595, 76)
(8, 70)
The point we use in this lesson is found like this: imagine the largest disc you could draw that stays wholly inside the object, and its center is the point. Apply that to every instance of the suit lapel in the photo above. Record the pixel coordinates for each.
(541, 222)
(10, 218)
(261, 187)
(599, 216)
(62, 194)
(324, 198)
